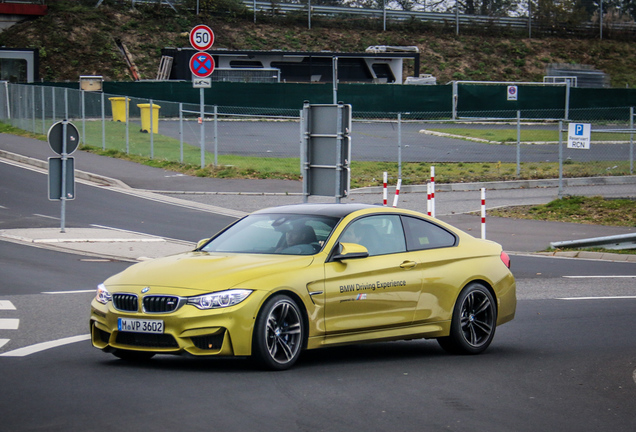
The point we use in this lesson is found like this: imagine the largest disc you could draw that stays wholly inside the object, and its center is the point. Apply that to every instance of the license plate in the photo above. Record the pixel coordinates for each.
(139, 325)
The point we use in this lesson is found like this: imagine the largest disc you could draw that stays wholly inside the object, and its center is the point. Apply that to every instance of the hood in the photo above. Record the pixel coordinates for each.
(205, 272)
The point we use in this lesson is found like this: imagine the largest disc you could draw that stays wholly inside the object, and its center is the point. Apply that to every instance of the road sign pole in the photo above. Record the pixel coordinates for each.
(202, 108)
(63, 194)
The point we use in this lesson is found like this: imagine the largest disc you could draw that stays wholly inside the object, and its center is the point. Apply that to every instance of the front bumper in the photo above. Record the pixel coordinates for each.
(223, 331)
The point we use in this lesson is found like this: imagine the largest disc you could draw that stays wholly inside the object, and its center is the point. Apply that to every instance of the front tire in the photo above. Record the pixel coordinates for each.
(473, 323)
(278, 334)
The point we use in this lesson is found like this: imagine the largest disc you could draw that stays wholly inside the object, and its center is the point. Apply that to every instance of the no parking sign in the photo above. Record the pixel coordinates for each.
(512, 93)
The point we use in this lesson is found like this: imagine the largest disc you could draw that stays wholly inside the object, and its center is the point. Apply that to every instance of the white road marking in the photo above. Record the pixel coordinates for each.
(69, 292)
(32, 349)
(45, 216)
(6, 305)
(3, 342)
(9, 323)
(600, 277)
(597, 298)
(153, 237)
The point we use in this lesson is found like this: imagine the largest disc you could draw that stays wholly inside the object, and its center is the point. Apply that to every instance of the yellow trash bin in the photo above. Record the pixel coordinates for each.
(119, 106)
(145, 117)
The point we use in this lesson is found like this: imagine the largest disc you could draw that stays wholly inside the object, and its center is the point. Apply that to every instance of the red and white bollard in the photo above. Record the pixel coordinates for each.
(483, 213)
(397, 192)
(433, 191)
(384, 191)
(428, 199)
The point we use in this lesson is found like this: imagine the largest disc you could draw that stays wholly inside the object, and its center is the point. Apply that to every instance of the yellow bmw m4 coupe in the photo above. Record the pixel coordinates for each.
(291, 278)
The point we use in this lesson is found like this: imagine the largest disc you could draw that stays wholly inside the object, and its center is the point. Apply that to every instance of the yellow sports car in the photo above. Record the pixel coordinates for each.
(309, 276)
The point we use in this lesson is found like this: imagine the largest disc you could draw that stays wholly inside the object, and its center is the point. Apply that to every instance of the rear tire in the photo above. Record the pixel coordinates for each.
(473, 323)
(278, 334)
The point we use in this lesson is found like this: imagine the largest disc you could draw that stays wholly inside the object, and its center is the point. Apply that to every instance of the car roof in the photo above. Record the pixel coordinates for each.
(322, 209)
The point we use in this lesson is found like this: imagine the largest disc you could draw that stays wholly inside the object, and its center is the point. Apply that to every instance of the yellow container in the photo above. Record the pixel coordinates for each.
(145, 117)
(119, 106)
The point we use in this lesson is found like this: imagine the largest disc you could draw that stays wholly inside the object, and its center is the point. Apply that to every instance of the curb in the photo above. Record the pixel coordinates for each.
(94, 178)
(604, 256)
(511, 184)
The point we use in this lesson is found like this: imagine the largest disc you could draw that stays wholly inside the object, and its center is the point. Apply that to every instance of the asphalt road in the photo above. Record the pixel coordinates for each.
(376, 141)
(567, 362)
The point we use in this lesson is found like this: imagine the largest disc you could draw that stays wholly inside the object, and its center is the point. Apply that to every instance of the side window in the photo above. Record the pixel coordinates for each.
(421, 234)
(382, 234)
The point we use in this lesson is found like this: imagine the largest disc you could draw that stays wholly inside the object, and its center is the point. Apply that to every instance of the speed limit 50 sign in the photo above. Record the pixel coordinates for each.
(201, 37)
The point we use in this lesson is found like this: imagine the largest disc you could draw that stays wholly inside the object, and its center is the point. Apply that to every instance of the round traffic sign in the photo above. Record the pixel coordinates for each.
(201, 37)
(202, 64)
(55, 137)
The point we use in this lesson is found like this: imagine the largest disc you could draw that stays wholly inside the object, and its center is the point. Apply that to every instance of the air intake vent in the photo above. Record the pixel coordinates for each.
(160, 304)
(126, 302)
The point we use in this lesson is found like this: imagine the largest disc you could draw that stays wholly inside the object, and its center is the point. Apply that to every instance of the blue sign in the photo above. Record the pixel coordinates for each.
(202, 64)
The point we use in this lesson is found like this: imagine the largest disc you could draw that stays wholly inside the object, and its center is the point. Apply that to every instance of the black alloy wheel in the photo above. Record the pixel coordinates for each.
(279, 333)
(474, 322)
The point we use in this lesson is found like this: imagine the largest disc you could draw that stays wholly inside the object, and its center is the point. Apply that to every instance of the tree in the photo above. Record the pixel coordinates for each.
(488, 7)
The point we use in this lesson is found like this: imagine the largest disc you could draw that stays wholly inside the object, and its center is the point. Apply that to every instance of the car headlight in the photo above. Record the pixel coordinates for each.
(219, 299)
(102, 295)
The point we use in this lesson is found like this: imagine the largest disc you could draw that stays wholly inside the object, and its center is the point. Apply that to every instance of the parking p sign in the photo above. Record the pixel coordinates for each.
(579, 135)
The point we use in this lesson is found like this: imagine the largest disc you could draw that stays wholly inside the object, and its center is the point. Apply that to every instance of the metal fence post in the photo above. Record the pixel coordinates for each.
(180, 132)
(560, 159)
(83, 103)
(567, 99)
(43, 111)
(127, 126)
(518, 143)
(65, 104)
(631, 140)
(399, 127)
(216, 135)
(32, 109)
(103, 122)
(53, 104)
(455, 99)
(6, 88)
(152, 135)
(304, 163)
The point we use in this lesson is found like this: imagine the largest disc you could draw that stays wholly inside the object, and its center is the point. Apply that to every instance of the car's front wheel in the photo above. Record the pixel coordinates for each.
(474, 321)
(279, 333)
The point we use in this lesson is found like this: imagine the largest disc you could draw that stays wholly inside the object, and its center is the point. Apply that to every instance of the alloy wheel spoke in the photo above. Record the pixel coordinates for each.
(287, 350)
(291, 330)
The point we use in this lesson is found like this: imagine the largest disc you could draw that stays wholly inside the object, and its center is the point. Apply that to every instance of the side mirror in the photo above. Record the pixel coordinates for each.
(350, 251)
(200, 243)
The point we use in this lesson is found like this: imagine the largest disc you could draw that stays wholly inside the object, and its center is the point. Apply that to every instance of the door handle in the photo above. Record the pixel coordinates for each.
(408, 264)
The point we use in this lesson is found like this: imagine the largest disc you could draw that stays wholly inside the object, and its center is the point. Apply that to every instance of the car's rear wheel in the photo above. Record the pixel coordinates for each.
(279, 333)
(133, 356)
(473, 323)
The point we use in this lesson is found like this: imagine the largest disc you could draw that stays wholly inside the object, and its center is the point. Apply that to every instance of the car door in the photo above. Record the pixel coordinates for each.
(443, 266)
(377, 291)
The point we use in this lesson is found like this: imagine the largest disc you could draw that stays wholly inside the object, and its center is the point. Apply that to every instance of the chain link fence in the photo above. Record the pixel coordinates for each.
(265, 142)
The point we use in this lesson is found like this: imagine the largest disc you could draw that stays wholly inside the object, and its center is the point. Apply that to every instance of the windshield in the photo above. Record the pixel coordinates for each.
(285, 234)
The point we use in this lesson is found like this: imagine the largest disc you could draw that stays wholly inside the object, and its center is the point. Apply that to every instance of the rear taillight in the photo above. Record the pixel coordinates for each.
(505, 258)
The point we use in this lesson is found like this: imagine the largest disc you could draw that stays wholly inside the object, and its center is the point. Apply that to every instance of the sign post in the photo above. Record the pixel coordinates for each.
(201, 66)
(63, 138)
